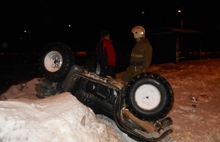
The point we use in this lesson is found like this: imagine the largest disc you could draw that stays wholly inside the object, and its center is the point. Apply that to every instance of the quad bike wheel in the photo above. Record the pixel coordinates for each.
(149, 96)
(56, 61)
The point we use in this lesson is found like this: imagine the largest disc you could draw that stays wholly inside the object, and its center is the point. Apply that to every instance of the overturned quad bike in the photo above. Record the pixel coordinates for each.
(138, 107)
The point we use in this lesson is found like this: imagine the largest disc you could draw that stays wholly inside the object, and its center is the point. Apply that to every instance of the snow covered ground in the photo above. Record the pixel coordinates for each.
(195, 113)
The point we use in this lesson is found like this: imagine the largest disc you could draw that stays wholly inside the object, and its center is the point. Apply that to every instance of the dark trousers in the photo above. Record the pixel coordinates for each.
(109, 71)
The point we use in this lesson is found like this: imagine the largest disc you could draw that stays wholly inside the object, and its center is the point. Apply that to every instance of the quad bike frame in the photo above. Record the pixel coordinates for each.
(138, 107)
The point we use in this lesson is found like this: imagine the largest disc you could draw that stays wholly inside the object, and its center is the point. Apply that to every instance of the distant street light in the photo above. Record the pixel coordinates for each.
(181, 18)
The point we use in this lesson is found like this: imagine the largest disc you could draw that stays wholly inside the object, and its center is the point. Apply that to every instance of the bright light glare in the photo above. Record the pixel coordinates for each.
(179, 11)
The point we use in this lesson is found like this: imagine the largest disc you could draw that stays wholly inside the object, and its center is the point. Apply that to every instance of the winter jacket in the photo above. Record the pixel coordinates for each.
(140, 59)
(106, 52)
(142, 53)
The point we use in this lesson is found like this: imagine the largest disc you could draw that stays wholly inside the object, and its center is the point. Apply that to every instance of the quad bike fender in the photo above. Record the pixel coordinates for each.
(133, 132)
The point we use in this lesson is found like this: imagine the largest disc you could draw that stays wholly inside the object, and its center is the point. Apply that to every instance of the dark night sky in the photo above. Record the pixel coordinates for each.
(47, 20)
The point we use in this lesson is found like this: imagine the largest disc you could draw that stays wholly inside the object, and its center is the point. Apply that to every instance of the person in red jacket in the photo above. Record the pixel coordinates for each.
(106, 55)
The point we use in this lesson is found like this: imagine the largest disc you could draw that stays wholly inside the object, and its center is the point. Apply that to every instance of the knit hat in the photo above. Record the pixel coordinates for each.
(104, 33)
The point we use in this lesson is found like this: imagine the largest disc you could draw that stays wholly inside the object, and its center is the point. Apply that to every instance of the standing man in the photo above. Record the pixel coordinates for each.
(141, 54)
(106, 55)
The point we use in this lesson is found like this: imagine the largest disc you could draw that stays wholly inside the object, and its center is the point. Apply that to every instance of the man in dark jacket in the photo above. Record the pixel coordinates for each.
(140, 56)
(106, 55)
